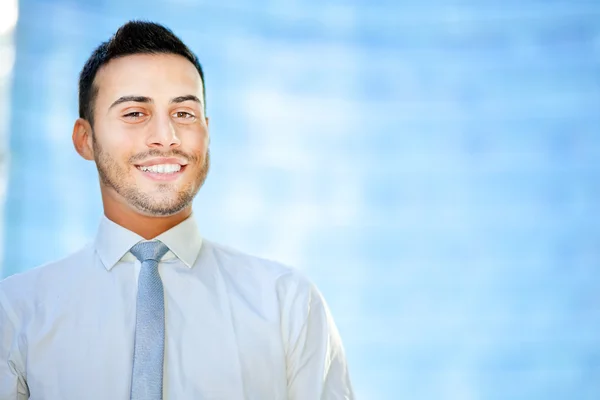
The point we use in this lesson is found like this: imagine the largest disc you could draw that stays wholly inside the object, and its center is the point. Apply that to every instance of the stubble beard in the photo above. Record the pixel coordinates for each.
(115, 177)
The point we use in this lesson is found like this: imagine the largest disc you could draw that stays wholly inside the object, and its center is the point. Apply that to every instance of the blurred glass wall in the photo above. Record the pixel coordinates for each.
(433, 166)
(9, 12)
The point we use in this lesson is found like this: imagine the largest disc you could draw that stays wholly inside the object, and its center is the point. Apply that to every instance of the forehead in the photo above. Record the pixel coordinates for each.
(152, 75)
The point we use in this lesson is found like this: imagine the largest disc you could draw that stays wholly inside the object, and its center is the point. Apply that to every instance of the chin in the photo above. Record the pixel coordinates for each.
(158, 211)
(158, 205)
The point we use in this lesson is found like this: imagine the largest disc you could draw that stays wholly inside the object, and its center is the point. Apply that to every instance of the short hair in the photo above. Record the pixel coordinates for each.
(135, 37)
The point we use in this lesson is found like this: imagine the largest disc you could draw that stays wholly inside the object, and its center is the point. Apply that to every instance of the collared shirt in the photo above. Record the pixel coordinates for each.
(237, 326)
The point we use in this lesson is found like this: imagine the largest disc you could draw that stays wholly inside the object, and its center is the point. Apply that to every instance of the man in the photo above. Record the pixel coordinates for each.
(150, 309)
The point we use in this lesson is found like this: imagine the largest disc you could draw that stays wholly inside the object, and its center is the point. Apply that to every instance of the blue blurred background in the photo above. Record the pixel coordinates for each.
(433, 166)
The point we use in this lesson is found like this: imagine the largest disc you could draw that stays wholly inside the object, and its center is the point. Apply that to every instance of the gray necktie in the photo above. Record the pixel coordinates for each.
(149, 345)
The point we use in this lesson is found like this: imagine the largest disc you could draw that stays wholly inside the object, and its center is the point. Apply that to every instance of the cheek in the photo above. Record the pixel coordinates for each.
(116, 144)
(195, 141)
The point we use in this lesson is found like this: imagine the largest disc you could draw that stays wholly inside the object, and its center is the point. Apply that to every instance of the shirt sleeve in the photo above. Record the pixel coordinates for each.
(316, 363)
(12, 379)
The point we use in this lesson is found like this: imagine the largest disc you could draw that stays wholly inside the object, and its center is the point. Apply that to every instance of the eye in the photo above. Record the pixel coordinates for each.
(134, 115)
(184, 115)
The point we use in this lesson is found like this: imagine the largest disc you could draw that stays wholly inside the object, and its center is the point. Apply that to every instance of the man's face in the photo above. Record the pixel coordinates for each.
(150, 133)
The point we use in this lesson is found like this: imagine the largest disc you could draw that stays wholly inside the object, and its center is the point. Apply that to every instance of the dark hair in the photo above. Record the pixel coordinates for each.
(135, 37)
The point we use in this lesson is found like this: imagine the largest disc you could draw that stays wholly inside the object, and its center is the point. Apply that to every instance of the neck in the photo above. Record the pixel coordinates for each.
(146, 226)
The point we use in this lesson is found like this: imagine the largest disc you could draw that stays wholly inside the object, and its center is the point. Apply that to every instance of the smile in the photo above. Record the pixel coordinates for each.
(162, 172)
(161, 168)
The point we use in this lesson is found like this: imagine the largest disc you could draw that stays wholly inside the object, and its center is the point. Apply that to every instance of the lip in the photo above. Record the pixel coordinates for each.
(162, 160)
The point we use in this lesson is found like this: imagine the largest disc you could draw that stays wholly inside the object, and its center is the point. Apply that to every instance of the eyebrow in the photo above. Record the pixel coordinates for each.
(144, 99)
(136, 99)
(188, 97)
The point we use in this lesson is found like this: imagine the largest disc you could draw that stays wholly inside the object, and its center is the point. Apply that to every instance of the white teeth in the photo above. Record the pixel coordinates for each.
(161, 168)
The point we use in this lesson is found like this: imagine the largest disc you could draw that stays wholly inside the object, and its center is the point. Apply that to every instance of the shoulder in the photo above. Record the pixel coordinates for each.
(46, 278)
(233, 259)
(259, 270)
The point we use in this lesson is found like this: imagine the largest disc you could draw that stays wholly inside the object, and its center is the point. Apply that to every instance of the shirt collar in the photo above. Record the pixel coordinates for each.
(113, 241)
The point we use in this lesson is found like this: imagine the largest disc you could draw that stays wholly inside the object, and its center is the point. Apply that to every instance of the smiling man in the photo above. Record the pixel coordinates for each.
(150, 309)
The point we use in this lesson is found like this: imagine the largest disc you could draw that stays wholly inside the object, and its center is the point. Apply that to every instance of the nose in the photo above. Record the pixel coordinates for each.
(163, 134)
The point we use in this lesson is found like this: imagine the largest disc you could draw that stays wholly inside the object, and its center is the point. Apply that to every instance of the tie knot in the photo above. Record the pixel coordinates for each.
(153, 250)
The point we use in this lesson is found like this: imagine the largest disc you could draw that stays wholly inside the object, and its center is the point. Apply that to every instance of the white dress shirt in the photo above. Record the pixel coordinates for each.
(237, 326)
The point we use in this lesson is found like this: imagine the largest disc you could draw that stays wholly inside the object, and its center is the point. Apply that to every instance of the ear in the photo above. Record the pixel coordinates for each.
(82, 139)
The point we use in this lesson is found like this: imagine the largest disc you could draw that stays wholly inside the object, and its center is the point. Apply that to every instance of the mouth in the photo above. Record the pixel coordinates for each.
(162, 172)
